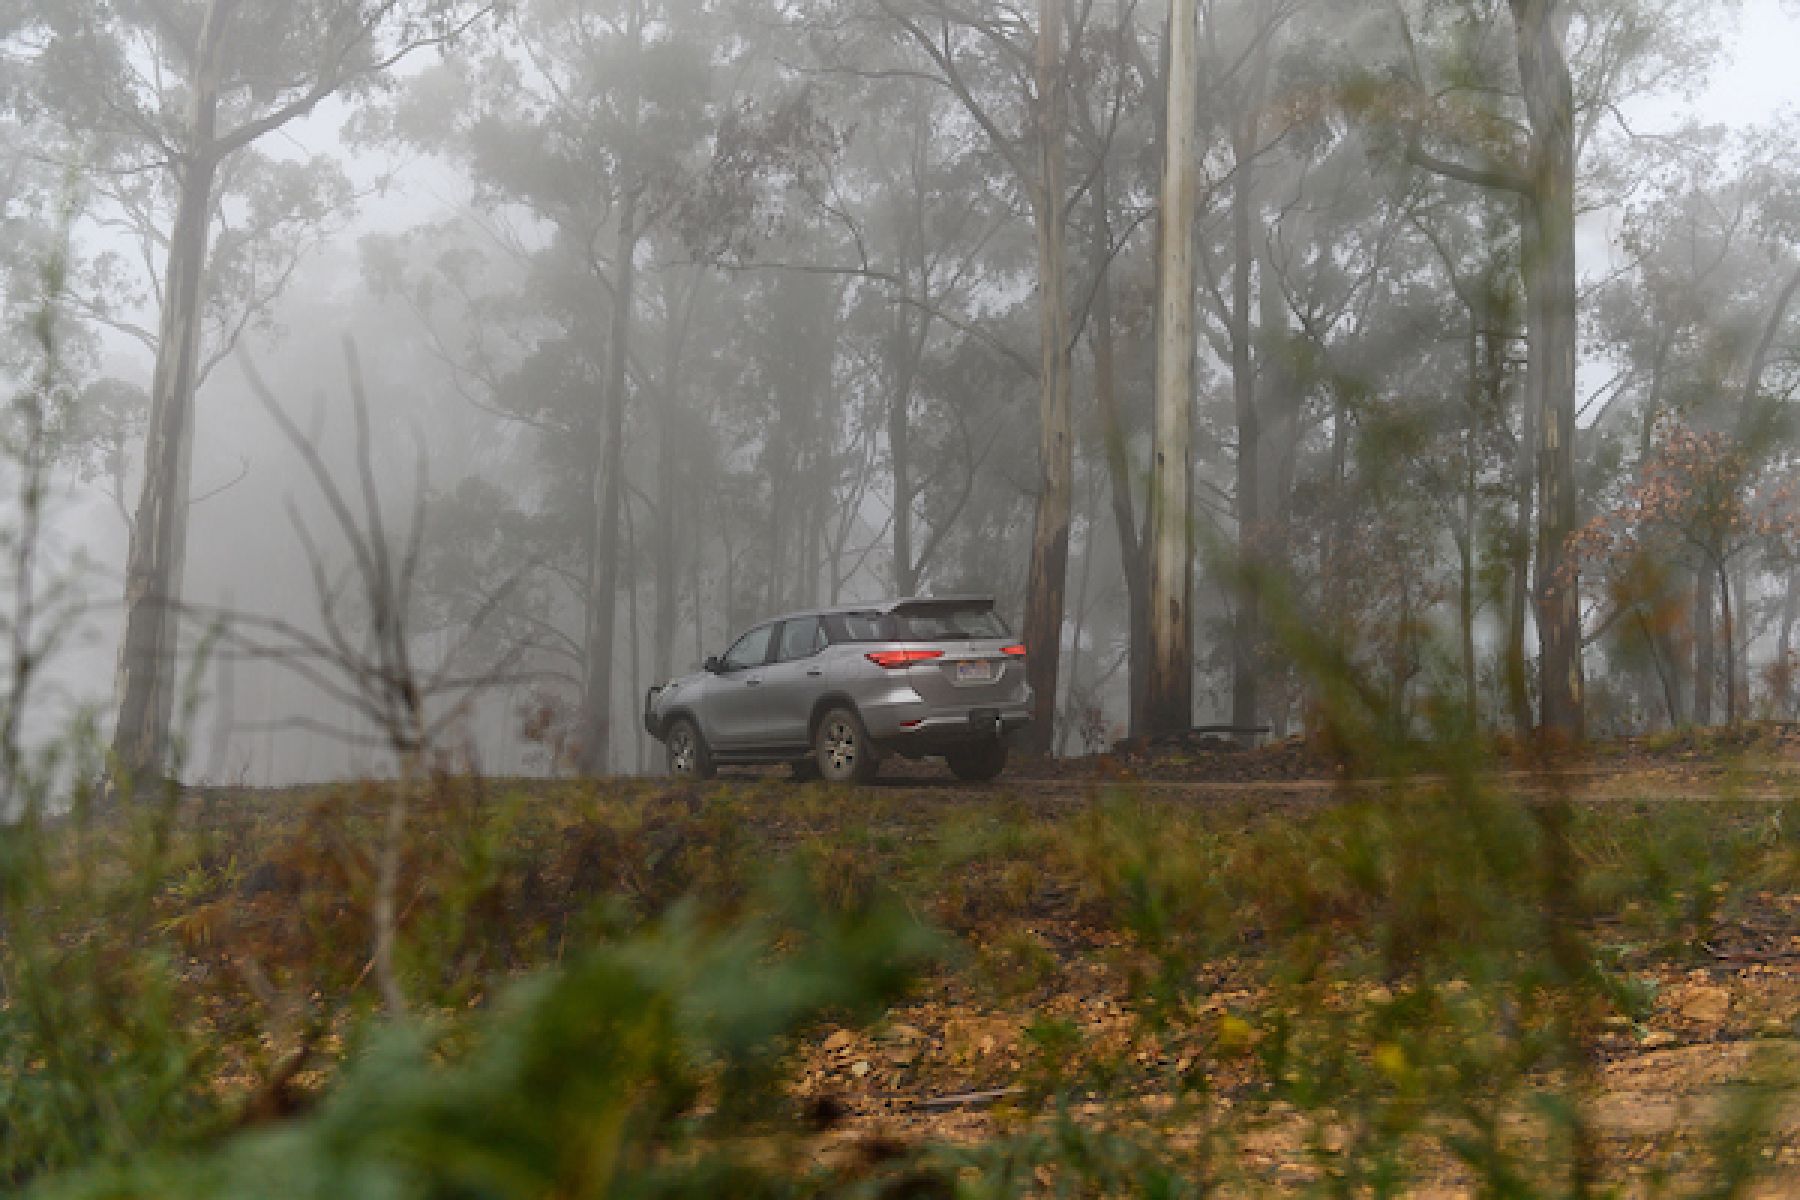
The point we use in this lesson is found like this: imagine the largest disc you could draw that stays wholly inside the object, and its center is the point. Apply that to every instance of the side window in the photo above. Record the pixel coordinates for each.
(751, 650)
(800, 638)
(859, 627)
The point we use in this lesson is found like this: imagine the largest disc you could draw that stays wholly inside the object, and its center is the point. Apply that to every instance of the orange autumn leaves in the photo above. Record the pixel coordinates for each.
(1699, 493)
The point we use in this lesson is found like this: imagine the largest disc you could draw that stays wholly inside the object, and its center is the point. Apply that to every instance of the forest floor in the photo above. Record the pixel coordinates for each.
(950, 1066)
(954, 1064)
(1129, 940)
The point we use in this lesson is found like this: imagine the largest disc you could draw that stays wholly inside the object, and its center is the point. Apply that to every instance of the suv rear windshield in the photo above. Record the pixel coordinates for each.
(921, 623)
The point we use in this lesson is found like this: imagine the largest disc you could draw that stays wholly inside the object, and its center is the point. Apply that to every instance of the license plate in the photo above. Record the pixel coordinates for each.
(974, 672)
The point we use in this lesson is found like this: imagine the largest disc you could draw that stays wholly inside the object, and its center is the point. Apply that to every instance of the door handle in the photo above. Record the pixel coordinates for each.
(815, 672)
(752, 682)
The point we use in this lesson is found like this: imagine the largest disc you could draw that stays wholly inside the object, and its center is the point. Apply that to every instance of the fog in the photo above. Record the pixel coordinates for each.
(673, 316)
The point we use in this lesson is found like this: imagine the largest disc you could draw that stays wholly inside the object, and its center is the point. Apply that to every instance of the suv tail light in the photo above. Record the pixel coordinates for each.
(894, 659)
(1017, 650)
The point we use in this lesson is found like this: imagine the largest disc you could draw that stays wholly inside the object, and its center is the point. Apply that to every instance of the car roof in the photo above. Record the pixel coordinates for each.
(880, 606)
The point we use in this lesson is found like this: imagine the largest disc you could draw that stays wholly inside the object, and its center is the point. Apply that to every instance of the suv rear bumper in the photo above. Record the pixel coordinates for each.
(917, 727)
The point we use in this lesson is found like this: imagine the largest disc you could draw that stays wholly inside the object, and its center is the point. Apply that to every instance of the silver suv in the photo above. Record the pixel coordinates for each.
(833, 690)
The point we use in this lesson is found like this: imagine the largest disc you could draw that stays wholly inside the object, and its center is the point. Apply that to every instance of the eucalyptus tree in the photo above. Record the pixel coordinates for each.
(1117, 115)
(37, 205)
(1699, 326)
(579, 119)
(1010, 75)
(1168, 705)
(1488, 466)
(1510, 98)
(906, 216)
(1048, 91)
(1248, 111)
(622, 150)
(177, 91)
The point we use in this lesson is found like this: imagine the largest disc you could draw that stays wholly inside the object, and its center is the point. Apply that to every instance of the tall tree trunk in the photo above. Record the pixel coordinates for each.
(696, 579)
(899, 437)
(157, 557)
(603, 581)
(1738, 664)
(1072, 693)
(1133, 560)
(1338, 526)
(668, 602)
(1784, 648)
(603, 577)
(1246, 657)
(1168, 692)
(1703, 647)
(1726, 632)
(1664, 643)
(1465, 599)
(1484, 375)
(1551, 313)
(1278, 433)
(633, 641)
(822, 430)
(669, 466)
(1046, 583)
(1518, 608)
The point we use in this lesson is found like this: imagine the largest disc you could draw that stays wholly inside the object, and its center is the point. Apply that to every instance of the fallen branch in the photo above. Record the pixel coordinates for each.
(967, 1099)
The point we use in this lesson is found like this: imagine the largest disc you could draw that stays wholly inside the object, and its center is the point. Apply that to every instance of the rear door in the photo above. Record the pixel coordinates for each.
(734, 700)
(793, 681)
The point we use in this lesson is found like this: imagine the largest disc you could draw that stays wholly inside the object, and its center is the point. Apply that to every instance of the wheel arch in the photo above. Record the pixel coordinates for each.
(825, 704)
(667, 722)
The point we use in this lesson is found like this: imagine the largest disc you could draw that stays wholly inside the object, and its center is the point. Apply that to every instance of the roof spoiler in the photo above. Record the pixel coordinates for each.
(918, 604)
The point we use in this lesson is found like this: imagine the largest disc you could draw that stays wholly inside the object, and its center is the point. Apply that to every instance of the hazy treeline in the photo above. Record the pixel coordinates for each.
(671, 314)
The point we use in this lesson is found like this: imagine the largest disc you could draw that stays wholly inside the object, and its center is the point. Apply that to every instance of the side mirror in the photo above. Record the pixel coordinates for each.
(713, 665)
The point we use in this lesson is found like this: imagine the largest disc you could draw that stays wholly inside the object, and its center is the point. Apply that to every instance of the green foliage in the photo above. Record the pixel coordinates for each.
(94, 1059)
(635, 1070)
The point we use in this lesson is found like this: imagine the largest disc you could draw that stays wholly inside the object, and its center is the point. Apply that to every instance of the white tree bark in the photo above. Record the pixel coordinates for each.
(1169, 706)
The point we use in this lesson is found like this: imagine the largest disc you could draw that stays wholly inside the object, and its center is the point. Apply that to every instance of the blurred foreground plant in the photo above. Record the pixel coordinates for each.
(649, 1067)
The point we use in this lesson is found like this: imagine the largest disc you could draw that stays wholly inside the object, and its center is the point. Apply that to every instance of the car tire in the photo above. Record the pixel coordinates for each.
(978, 764)
(805, 770)
(842, 750)
(689, 757)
